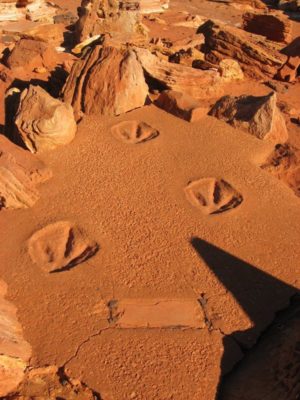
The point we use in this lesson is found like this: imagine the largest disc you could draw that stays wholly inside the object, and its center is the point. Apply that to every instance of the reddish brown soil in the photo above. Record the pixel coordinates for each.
(154, 244)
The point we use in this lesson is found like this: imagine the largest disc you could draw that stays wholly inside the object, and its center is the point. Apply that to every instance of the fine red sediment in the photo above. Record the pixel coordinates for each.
(160, 261)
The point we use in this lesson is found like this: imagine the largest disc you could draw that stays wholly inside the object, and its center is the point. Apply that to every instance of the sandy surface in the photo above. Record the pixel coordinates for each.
(154, 244)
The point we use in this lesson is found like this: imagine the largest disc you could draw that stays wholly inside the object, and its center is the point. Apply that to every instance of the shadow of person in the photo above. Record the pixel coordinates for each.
(261, 296)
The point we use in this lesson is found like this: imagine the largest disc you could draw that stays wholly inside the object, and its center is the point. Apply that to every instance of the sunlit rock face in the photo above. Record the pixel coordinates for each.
(33, 10)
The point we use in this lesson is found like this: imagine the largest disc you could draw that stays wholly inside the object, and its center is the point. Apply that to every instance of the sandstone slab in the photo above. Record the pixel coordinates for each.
(158, 313)
(196, 83)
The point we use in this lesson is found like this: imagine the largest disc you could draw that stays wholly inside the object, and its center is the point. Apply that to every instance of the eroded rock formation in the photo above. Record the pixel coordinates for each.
(118, 19)
(258, 59)
(43, 122)
(276, 27)
(108, 81)
(14, 350)
(34, 10)
(20, 172)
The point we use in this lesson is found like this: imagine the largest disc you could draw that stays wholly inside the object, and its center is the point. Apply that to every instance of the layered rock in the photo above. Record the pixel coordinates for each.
(34, 10)
(181, 105)
(118, 19)
(166, 75)
(153, 6)
(20, 173)
(276, 27)
(108, 81)
(43, 122)
(258, 58)
(60, 246)
(258, 116)
(14, 350)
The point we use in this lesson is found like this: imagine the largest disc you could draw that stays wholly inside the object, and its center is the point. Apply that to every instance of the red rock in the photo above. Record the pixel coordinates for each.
(181, 105)
(29, 54)
(258, 58)
(20, 173)
(276, 27)
(108, 81)
(289, 70)
(43, 122)
(196, 83)
(14, 350)
(258, 116)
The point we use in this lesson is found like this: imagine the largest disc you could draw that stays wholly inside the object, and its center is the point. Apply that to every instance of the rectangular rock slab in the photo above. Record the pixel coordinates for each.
(160, 313)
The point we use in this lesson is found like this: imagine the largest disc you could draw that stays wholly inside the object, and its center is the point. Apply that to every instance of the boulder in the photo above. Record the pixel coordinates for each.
(107, 81)
(276, 27)
(43, 122)
(29, 54)
(230, 70)
(181, 105)
(15, 352)
(181, 78)
(60, 246)
(257, 57)
(258, 116)
(20, 173)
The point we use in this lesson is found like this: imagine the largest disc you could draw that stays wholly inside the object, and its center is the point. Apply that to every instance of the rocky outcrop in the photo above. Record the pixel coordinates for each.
(20, 173)
(43, 122)
(118, 19)
(51, 382)
(14, 350)
(166, 75)
(181, 105)
(107, 81)
(258, 58)
(60, 246)
(34, 10)
(276, 27)
(258, 116)
(30, 54)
